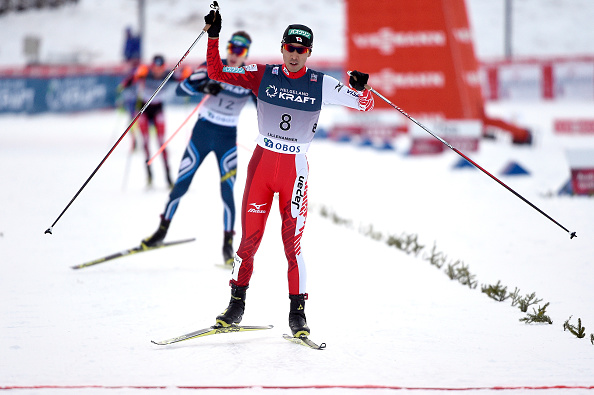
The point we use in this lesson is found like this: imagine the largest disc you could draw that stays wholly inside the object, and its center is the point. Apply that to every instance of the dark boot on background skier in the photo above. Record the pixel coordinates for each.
(228, 248)
(157, 237)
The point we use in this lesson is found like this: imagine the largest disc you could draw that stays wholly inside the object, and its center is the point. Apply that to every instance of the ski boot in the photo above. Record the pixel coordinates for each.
(149, 176)
(228, 248)
(297, 321)
(157, 237)
(168, 175)
(234, 312)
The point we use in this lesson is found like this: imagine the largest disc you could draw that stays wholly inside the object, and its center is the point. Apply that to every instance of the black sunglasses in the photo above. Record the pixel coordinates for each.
(300, 50)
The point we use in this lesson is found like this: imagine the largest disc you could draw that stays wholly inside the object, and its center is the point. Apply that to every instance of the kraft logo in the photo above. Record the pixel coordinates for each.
(296, 98)
(386, 39)
(271, 91)
(257, 208)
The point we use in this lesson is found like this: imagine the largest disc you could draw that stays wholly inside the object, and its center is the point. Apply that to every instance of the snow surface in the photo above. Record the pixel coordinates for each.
(389, 319)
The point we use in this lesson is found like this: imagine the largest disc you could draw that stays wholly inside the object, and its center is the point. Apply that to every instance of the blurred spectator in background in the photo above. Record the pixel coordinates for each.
(131, 46)
(127, 98)
(146, 79)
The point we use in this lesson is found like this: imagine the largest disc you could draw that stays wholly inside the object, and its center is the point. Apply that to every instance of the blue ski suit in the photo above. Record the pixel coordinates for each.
(215, 130)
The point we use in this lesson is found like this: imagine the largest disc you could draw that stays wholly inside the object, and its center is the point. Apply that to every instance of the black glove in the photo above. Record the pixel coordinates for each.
(214, 20)
(212, 88)
(358, 80)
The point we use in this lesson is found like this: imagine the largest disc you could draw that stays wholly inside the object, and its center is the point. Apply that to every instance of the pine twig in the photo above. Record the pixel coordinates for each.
(496, 292)
(436, 258)
(458, 271)
(528, 301)
(538, 316)
(579, 331)
(515, 296)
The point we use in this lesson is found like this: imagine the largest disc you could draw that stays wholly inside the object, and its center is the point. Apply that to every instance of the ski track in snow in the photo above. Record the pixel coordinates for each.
(389, 319)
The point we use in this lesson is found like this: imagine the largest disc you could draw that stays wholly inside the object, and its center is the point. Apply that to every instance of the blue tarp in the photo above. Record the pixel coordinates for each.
(61, 94)
(67, 94)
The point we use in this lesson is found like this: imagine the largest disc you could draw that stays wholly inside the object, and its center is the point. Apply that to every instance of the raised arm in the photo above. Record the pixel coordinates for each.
(248, 77)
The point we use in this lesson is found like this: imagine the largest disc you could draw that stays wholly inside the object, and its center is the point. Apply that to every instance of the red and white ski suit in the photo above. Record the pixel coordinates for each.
(288, 108)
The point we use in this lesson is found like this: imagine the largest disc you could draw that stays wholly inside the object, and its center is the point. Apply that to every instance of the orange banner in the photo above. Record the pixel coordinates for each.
(419, 53)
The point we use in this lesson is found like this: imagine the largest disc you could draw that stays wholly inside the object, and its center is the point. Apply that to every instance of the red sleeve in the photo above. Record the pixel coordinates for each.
(366, 101)
(248, 77)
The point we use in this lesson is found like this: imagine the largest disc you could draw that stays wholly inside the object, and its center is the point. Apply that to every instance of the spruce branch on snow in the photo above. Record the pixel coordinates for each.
(458, 271)
(436, 258)
(579, 330)
(538, 316)
(325, 212)
(407, 243)
(370, 232)
(496, 292)
(515, 296)
(528, 301)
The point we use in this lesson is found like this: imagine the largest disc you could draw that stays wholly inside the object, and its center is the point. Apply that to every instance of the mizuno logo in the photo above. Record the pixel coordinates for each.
(257, 208)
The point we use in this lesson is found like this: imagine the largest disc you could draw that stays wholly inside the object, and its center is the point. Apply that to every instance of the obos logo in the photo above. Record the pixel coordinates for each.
(271, 91)
(282, 147)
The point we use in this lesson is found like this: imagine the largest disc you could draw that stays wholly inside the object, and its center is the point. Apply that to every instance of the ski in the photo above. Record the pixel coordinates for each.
(130, 251)
(213, 330)
(304, 341)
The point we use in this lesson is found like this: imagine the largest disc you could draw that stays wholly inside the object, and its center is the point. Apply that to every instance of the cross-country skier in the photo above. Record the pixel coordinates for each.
(147, 79)
(215, 130)
(289, 100)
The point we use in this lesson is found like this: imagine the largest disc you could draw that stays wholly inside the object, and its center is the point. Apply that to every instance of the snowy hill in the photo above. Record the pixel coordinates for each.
(93, 30)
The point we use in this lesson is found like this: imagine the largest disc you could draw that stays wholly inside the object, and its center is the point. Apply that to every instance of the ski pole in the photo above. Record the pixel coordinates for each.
(148, 162)
(571, 234)
(49, 230)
